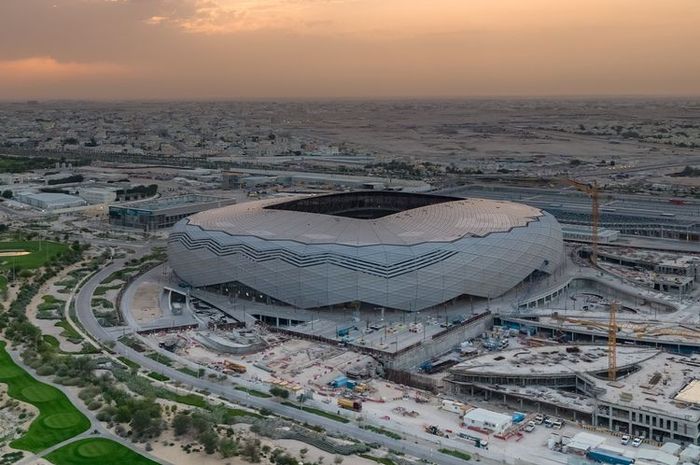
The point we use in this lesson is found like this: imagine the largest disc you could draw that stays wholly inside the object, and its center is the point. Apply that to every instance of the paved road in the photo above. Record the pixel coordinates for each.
(420, 447)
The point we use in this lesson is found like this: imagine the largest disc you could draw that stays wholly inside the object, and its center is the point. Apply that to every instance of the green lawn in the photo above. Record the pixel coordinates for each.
(58, 419)
(456, 453)
(316, 411)
(382, 460)
(50, 303)
(97, 450)
(160, 358)
(158, 376)
(253, 392)
(383, 431)
(40, 253)
(102, 290)
(50, 340)
(188, 371)
(69, 332)
(129, 363)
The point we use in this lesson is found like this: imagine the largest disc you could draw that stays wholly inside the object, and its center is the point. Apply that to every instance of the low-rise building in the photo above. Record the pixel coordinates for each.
(97, 195)
(151, 215)
(656, 394)
(50, 201)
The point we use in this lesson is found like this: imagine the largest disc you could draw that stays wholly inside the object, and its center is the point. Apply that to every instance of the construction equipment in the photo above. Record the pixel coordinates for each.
(592, 190)
(589, 324)
(234, 367)
(612, 342)
(350, 404)
(435, 430)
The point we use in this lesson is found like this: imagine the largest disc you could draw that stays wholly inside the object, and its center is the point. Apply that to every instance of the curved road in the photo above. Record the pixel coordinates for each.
(416, 446)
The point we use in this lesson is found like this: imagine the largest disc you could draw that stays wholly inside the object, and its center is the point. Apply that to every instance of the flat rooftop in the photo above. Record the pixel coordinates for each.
(553, 360)
(657, 385)
(690, 394)
(165, 203)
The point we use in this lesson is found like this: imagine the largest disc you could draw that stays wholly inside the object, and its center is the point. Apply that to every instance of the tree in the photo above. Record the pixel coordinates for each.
(210, 440)
(303, 451)
(279, 392)
(140, 422)
(7, 194)
(200, 423)
(182, 424)
(251, 450)
(228, 448)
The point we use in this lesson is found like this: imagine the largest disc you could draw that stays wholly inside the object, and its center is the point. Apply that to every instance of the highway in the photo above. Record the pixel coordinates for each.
(420, 447)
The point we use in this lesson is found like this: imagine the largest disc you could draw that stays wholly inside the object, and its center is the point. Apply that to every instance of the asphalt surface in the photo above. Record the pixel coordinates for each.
(417, 446)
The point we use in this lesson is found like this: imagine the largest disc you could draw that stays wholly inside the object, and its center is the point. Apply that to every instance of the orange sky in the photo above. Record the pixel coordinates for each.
(185, 49)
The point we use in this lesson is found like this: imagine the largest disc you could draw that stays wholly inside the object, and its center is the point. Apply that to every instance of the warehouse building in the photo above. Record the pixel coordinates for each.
(98, 195)
(151, 215)
(50, 201)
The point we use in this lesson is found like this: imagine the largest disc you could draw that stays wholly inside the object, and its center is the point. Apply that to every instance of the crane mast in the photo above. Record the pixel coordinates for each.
(593, 191)
(612, 342)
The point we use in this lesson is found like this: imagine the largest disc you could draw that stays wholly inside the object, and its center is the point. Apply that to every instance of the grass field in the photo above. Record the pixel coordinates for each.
(319, 412)
(456, 453)
(69, 332)
(50, 340)
(253, 392)
(97, 451)
(158, 376)
(58, 419)
(382, 460)
(40, 253)
(383, 431)
(129, 363)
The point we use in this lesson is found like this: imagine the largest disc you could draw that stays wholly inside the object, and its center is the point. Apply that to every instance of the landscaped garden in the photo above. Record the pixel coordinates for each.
(58, 419)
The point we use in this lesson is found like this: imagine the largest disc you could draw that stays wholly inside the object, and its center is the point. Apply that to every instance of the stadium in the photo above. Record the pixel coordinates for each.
(390, 250)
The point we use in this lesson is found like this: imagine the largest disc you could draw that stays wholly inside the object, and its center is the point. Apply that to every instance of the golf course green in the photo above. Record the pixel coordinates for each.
(96, 451)
(58, 418)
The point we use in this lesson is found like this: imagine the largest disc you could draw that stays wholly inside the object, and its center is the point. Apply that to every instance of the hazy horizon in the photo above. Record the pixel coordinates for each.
(203, 50)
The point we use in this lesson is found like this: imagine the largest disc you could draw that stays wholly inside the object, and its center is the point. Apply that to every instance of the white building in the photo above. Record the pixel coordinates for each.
(50, 201)
(482, 419)
(97, 195)
(580, 233)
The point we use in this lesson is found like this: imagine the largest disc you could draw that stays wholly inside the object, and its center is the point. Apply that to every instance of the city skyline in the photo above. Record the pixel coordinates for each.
(293, 49)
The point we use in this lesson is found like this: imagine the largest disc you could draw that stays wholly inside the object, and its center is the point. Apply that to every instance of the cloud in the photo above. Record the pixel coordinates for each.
(48, 68)
(232, 16)
(155, 20)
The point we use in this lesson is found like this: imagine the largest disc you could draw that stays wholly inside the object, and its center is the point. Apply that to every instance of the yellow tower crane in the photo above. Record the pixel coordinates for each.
(592, 190)
(612, 342)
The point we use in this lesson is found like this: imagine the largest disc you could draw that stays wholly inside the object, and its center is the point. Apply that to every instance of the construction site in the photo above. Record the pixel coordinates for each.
(606, 342)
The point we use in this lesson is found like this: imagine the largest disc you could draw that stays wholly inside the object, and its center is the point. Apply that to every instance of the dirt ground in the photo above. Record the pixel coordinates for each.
(49, 326)
(145, 306)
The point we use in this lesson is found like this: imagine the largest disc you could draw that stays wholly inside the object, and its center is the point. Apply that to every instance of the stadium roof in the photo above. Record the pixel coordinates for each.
(443, 219)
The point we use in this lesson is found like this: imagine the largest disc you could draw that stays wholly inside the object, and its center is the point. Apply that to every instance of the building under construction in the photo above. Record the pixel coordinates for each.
(655, 395)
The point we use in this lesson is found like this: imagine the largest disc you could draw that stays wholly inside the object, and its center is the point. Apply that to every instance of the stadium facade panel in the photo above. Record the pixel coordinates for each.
(386, 249)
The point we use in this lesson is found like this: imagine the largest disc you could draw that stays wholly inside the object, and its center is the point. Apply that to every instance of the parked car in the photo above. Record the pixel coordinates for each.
(539, 418)
(529, 427)
(625, 439)
(636, 442)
